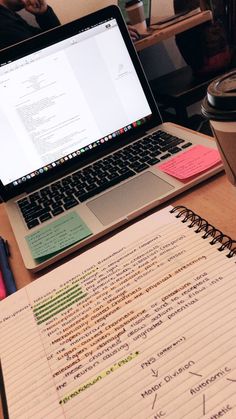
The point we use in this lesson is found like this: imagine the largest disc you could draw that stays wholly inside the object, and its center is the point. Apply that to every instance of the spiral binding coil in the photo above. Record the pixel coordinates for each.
(209, 230)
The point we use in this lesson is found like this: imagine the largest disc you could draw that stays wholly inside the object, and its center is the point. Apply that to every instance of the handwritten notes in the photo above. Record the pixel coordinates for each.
(57, 235)
(141, 326)
(192, 162)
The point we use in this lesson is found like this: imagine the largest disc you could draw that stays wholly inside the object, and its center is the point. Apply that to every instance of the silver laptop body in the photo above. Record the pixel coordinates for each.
(77, 113)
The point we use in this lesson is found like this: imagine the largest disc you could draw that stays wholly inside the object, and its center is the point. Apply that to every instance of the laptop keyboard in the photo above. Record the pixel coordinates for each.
(68, 192)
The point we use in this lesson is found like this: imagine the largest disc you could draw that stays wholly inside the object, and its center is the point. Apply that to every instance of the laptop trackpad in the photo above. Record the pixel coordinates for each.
(128, 197)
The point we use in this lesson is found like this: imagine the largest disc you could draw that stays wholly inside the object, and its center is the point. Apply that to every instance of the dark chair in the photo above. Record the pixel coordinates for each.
(180, 89)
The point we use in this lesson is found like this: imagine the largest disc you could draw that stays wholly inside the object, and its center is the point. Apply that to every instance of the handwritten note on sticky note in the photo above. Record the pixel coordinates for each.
(58, 235)
(192, 162)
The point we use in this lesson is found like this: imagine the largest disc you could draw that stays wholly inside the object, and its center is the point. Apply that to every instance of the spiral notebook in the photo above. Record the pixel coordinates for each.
(141, 326)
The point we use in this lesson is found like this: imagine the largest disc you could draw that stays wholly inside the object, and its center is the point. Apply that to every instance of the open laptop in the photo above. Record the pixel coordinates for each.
(82, 137)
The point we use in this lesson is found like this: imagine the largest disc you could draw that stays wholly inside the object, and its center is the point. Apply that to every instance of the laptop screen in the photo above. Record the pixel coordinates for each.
(67, 99)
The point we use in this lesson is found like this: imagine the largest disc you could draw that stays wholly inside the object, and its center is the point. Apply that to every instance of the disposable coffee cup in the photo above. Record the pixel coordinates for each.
(136, 15)
(219, 107)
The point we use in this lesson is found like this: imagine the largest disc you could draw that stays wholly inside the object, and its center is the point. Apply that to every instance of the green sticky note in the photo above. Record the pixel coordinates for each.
(56, 236)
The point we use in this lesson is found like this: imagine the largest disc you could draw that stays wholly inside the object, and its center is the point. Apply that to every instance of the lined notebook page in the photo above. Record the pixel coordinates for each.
(140, 326)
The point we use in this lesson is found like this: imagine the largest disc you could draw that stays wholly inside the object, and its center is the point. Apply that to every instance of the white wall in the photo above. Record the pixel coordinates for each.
(68, 10)
(162, 8)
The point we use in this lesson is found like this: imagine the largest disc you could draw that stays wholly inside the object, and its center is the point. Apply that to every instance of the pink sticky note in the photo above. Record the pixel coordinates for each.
(192, 162)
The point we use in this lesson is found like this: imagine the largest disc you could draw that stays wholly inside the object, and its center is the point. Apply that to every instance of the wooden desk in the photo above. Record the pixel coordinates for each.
(215, 200)
(159, 35)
